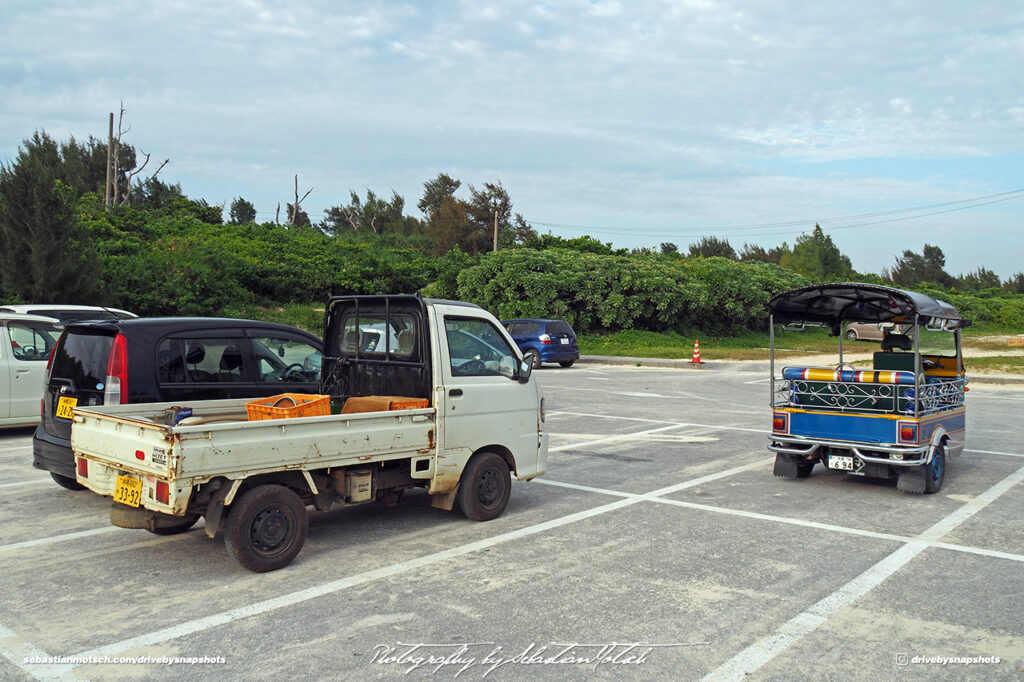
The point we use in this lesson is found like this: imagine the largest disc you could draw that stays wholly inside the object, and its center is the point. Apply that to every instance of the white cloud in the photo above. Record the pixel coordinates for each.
(649, 113)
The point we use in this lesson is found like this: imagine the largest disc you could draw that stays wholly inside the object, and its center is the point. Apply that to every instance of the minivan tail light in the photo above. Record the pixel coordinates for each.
(545, 338)
(116, 390)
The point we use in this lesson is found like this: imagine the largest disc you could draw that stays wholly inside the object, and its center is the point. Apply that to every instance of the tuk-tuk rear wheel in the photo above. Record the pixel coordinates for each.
(935, 471)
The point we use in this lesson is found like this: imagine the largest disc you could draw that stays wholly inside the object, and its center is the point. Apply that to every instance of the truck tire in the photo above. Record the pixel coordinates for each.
(186, 523)
(266, 528)
(65, 482)
(484, 487)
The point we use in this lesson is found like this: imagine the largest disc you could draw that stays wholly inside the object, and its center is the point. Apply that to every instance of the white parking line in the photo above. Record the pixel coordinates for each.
(36, 481)
(764, 650)
(990, 452)
(56, 538)
(992, 553)
(300, 596)
(17, 651)
(665, 421)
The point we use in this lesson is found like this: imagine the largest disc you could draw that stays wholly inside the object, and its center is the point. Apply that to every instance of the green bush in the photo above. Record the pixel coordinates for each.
(612, 292)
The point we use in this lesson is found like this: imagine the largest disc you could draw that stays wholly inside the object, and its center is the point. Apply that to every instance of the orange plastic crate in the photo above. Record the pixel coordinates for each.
(288, 405)
(382, 403)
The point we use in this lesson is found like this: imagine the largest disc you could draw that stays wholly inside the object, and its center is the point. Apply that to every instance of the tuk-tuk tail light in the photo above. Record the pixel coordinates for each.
(908, 433)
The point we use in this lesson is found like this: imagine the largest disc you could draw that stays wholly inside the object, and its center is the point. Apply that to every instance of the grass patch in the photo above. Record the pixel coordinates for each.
(995, 364)
(750, 346)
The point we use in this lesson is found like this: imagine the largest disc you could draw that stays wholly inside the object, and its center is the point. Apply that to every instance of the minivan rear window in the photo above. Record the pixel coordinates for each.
(83, 358)
(523, 328)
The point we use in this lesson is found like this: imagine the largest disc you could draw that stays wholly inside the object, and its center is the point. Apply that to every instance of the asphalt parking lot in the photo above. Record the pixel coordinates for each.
(657, 546)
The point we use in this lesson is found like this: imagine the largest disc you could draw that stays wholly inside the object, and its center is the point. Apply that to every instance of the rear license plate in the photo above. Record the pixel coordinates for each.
(64, 405)
(840, 462)
(128, 490)
(565, 341)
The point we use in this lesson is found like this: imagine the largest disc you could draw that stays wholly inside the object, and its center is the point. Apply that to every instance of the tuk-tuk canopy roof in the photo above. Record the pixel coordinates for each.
(832, 304)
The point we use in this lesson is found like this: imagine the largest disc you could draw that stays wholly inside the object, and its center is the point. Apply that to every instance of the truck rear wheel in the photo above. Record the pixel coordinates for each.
(266, 528)
(484, 487)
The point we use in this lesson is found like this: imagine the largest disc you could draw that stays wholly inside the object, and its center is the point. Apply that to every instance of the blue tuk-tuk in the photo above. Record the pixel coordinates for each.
(901, 417)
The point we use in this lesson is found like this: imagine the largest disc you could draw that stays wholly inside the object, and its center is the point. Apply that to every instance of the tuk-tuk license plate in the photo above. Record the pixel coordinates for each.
(840, 462)
(64, 405)
(128, 490)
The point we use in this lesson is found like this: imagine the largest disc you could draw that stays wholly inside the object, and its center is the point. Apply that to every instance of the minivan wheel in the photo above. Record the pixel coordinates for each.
(851, 335)
(65, 482)
(532, 357)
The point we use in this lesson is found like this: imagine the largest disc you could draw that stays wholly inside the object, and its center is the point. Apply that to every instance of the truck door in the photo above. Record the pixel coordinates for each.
(481, 401)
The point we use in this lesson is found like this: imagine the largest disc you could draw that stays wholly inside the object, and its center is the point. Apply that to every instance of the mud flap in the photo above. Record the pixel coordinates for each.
(912, 480)
(444, 500)
(784, 467)
(214, 511)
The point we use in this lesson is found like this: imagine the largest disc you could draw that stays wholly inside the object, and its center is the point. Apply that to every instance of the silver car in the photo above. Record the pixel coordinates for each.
(873, 331)
(25, 345)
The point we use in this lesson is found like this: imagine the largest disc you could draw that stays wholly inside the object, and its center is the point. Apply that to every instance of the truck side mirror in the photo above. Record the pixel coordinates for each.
(525, 370)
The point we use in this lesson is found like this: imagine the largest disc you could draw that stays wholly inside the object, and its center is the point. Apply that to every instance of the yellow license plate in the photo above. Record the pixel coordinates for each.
(128, 491)
(64, 405)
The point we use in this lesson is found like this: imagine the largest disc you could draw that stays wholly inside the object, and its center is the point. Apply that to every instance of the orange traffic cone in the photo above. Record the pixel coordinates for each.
(696, 353)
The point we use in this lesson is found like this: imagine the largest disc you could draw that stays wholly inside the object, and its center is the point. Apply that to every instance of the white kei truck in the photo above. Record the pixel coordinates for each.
(422, 393)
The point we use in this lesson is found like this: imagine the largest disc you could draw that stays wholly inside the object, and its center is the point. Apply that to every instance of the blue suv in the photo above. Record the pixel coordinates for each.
(544, 341)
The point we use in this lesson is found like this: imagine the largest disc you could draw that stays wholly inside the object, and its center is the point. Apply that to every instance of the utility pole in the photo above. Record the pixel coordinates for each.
(110, 162)
(495, 229)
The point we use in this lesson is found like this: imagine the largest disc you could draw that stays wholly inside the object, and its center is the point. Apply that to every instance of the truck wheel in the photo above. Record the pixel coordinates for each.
(803, 469)
(935, 473)
(266, 528)
(484, 487)
(532, 357)
(186, 522)
(65, 482)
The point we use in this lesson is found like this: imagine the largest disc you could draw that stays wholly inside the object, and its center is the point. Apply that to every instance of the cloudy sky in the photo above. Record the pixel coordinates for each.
(891, 124)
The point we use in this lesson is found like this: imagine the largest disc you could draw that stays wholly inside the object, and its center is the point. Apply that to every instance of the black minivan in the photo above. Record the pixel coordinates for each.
(167, 359)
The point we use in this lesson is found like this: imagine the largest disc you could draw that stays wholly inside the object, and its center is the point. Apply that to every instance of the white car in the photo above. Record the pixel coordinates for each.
(68, 313)
(25, 345)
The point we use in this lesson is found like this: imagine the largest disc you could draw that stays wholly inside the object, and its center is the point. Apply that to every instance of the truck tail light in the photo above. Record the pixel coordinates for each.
(116, 391)
(162, 492)
(83, 468)
(908, 432)
(545, 338)
(779, 422)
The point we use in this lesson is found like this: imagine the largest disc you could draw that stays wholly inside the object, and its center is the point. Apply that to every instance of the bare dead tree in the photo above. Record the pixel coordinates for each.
(114, 160)
(298, 201)
(125, 197)
(277, 214)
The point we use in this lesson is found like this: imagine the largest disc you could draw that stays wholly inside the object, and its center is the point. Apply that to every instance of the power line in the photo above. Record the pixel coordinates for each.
(959, 205)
